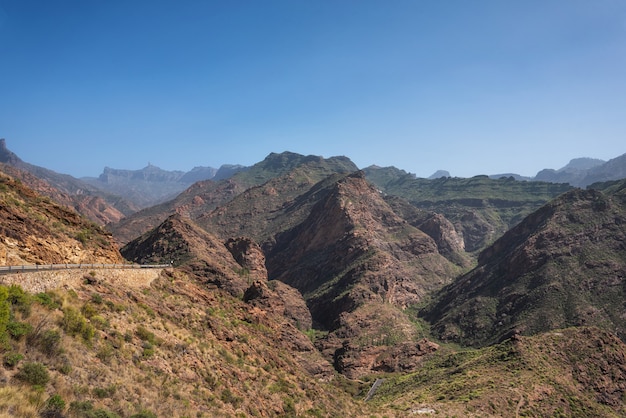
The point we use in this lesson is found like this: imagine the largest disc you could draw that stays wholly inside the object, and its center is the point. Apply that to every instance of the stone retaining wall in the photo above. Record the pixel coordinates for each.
(42, 281)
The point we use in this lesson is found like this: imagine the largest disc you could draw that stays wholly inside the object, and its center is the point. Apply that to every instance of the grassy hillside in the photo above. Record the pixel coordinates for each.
(173, 349)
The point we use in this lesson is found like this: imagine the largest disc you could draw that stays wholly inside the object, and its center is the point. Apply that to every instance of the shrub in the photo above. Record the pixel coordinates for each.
(74, 323)
(55, 403)
(49, 342)
(18, 329)
(144, 414)
(48, 300)
(20, 300)
(84, 409)
(5, 312)
(11, 359)
(145, 335)
(99, 322)
(34, 373)
(88, 310)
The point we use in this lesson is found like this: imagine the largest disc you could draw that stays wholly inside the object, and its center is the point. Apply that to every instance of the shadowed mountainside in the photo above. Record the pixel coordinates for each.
(564, 265)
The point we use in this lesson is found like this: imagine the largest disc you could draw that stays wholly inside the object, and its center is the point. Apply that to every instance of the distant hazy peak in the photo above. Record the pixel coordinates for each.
(583, 163)
(438, 174)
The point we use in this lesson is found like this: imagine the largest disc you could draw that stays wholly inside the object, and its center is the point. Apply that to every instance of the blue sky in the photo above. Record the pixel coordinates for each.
(472, 87)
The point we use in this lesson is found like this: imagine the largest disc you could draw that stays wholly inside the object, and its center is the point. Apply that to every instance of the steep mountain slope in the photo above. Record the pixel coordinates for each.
(480, 208)
(35, 230)
(98, 206)
(358, 264)
(179, 241)
(564, 265)
(203, 197)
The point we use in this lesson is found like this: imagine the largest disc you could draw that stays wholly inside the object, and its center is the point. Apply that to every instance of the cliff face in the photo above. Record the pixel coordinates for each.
(562, 266)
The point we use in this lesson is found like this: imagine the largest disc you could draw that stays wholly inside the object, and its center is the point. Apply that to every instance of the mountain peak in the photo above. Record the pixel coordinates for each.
(6, 156)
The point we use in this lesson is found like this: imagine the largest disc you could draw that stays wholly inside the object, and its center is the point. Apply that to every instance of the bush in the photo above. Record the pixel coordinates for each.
(20, 300)
(96, 298)
(55, 403)
(88, 310)
(18, 329)
(74, 323)
(49, 342)
(48, 300)
(144, 414)
(11, 360)
(84, 409)
(34, 373)
(5, 312)
(145, 335)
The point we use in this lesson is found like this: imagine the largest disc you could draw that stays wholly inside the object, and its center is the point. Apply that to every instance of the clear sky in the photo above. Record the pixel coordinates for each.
(472, 87)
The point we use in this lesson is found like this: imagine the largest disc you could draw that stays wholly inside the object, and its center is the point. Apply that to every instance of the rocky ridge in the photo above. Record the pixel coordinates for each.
(562, 266)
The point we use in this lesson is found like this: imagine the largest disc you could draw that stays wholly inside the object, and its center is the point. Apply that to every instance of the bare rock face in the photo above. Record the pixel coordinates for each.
(355, 362)
(280, 299)
(442, 231)
(249, 255)
(353, 249)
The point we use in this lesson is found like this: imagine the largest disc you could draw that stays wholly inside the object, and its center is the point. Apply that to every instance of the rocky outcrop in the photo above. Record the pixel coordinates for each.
(249, 256)
(281, 299)
(404, 357)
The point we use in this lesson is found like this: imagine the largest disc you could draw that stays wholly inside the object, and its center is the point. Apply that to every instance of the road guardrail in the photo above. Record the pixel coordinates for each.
(44, 267)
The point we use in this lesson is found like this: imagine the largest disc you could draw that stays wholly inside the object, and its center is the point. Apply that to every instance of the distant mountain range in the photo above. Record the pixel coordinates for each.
(121, 192)
(152, 185)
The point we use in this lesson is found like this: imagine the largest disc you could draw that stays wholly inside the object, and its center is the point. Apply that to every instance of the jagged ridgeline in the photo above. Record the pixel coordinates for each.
(204, 196)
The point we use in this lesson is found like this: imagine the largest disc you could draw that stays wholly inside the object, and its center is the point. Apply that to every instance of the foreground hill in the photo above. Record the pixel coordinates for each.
(564, 265)
(575, 372)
